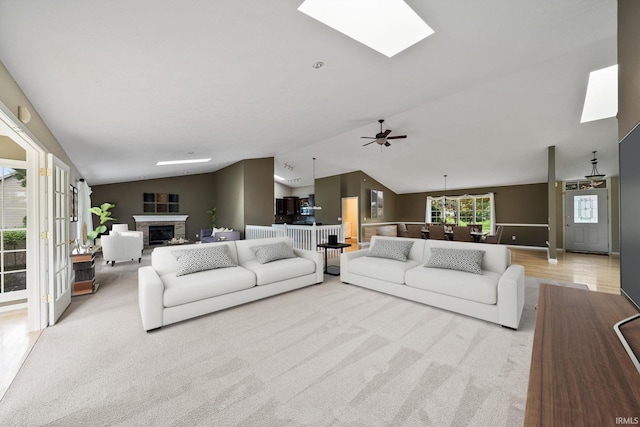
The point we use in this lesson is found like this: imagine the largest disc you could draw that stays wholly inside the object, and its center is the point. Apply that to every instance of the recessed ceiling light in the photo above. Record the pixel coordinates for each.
(601, 100)
(318, 64)
(179, 162)
(388, 26)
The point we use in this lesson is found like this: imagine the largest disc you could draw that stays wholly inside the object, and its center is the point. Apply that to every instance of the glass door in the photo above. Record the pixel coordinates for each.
(13, 233)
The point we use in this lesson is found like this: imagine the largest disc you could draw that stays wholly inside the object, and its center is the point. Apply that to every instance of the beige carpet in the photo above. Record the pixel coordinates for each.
(330, 354)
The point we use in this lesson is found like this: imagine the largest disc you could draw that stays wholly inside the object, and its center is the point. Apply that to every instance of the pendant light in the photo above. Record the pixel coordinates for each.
(444, 202)
(315, 207)
(595, 175)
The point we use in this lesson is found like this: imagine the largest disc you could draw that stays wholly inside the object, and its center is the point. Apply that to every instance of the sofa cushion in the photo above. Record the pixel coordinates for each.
(391, 249)
(202, 259)
(388, 270)
(272, 252)
(205, 284)
(280, 270)
(481, 288)
(468, 260)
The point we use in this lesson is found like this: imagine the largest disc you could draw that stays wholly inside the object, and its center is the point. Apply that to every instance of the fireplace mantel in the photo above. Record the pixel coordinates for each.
(160, 218)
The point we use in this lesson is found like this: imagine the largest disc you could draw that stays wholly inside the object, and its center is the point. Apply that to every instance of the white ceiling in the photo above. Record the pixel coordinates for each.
(123, 84)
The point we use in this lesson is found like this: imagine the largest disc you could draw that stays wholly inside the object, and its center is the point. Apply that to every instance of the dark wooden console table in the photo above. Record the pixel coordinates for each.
(580, 373)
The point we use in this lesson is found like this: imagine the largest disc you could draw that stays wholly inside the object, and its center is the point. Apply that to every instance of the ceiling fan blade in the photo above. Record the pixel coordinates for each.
(387, 144)
(386, 132)
(368, 137)
(397, 137)
(364, 145)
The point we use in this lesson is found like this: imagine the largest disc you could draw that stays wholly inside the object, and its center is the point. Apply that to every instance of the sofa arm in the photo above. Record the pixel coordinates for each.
(345, 257)
(315, 257)
(150, 297)
(511, 296)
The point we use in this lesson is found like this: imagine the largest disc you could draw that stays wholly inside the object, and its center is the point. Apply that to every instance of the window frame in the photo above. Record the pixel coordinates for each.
(452, 209)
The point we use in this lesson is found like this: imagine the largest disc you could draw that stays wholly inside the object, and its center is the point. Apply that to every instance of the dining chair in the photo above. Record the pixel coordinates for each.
(495, 238)
(403, 231)
(462, 233)
(436, 231)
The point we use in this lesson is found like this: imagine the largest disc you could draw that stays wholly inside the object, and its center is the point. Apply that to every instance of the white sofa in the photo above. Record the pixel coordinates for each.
(496, 295)
(165, 297)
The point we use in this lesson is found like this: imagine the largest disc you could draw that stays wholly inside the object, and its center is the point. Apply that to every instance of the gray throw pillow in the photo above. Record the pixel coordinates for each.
(469, 260)
(272, 252)
(201, 259)
(391, 249)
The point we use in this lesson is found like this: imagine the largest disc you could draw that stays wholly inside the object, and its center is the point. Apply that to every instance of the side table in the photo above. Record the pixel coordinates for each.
(84, 269)
(325, 247)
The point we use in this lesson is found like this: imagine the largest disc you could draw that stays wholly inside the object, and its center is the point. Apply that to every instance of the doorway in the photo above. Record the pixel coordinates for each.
(13, 234)
(587, 221)
(350, 219)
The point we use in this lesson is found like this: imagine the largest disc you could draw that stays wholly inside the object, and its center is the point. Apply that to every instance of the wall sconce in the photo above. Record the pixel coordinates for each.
(23, 114)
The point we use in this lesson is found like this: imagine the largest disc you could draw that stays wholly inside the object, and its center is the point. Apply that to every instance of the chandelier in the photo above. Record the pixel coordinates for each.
(595, 175)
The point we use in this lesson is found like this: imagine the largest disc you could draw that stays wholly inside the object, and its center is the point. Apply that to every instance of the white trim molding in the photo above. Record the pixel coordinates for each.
(160, 218)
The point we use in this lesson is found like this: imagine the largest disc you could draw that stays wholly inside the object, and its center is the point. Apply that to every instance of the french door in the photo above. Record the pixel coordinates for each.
(587, 221)
(59, 296)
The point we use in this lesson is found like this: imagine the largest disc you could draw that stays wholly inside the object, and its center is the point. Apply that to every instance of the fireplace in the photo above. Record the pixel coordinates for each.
(158, 234)
(145, 223)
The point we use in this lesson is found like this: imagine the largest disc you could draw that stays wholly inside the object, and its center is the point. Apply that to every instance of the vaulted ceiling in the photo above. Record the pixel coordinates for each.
(123, 84)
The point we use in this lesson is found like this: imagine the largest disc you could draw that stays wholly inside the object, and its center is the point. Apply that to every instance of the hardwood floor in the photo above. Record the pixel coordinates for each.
(599, 272)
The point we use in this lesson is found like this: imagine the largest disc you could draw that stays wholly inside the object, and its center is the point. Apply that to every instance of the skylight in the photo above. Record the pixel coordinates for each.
(180, 162)
(601, 101)
(387, 26)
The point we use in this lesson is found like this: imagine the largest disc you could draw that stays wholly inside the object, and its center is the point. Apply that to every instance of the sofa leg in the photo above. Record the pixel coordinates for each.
(139, 260)
(112, 263)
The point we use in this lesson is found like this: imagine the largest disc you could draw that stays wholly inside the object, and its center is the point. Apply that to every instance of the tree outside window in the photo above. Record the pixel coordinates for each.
(462, 210)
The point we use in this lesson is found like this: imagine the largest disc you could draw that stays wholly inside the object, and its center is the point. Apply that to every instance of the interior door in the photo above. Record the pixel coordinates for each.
(58, 238)
(587, 221)
(349, 217)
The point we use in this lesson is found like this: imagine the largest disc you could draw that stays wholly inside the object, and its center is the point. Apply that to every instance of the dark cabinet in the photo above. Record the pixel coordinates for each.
(280, 207)
(291, 206)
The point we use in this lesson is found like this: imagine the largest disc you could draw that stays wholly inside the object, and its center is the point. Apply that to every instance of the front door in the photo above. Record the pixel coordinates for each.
(59, 253)
(587, 221)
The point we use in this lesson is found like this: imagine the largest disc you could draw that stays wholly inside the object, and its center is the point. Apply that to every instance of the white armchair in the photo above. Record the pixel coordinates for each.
(122, 246)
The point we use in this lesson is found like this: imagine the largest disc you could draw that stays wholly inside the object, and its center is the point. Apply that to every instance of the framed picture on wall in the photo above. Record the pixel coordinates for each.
(73, 204)
(377, 204)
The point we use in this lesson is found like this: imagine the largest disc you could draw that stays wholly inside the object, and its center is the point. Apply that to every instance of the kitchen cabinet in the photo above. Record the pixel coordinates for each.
(292, 206)
(280, 207)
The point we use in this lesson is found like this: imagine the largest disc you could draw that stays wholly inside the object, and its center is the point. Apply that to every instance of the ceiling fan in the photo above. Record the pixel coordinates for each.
(382, 137)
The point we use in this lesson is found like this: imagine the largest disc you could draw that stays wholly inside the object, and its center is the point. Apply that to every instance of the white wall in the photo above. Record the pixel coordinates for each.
(302, 192)
(281, 190)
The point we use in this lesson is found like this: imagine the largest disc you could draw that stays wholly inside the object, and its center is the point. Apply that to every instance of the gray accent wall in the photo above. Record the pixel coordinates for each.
(242, 194)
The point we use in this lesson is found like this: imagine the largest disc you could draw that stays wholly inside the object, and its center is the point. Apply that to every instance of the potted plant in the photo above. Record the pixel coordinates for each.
(212, 212)
(104, 214)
